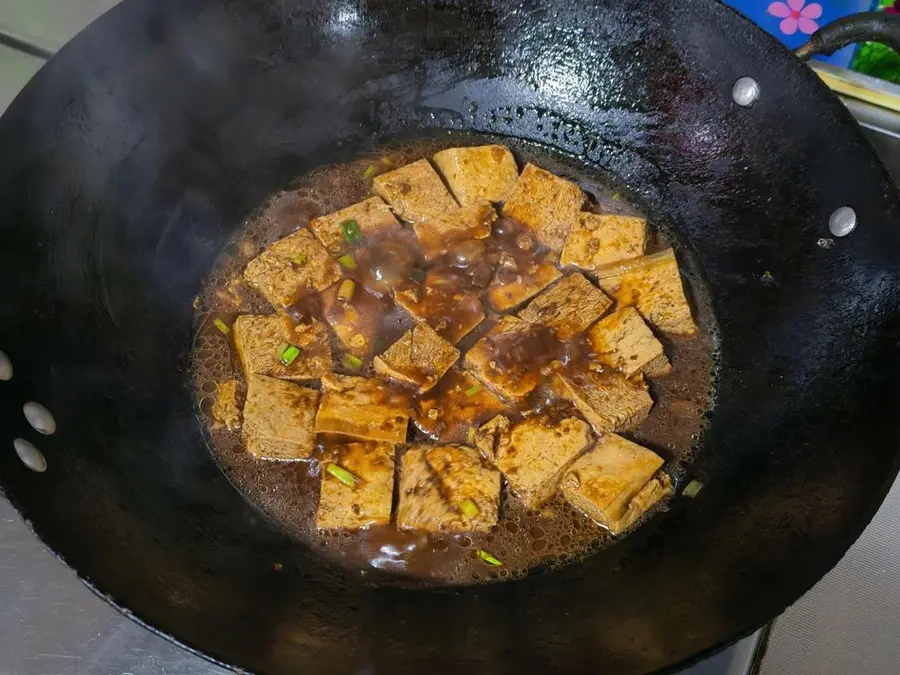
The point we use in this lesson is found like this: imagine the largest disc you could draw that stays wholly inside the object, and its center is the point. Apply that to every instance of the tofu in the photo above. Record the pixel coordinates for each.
(459, 404)
(258, 339)
(597, 240)
(532, 278)
(609, 401)
(415, 192)
(439, 232)
(354, 507)
(290, 267)
(225, 408)
(372, 216)
(623, 342)
(652, 285)
(547, 204)
(606, 480)
(434, 483)
(534, 454)
(568, 307)
(278, 419)
(419, 358)
(476, 173)
(650, 495)
(362, 407)
(441, 302)
(357, 321)
(488, 435)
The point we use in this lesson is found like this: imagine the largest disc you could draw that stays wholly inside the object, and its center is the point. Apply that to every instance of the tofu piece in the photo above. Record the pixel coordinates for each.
(290, 267)
(459, 404)
(357, 321)
(650, 495)
(372, 216)
(419, 358)
(623, 342)
(225, 408)
(278, 419)
(442, 302)
(487, 438)
(476, 173)
(362, 407)
(568, 307)
(607, 479)
(534, 454)
(434, 483)
(596, 240)
(415, 192)
(547, 204)
(652, 285)
(609, 401)
(439, 232)
(354, 507)
(258, 338)
(532, 278)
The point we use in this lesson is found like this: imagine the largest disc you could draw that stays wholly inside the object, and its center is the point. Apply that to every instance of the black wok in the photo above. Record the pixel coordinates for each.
(135, 153)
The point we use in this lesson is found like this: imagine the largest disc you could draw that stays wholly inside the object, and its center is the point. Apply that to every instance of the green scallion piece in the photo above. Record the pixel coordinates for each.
(352, 362)
(347, 261)
(469, 508)
(350, 228)
(300, 260)
(222, 326)
(288, 354)
(474, 389)
(417, 275)
(470, 435)
(616, 196)
(488, 558)
(370, 171)
(346, 289)
(346, 477)
(692, 489)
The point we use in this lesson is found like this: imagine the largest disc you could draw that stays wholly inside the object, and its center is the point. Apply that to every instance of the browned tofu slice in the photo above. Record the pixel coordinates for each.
(225, 408)
(506, 294)
(452, 412)
(488, 435)
(442, 301)
(260, 341)
(419, 358)
(597, 240)
(623, 342)
(363, 408)
(372, 216)
(476, 173)
(290, 267)
(439, 232)
(366, 501)
(605, 481)
(650, 495)
(534, 454)
(355, 320)
(415, 192)
(547, 204)
(568, 307)
(278, 419)
(652, 285)
(447, 488)
(609, 401)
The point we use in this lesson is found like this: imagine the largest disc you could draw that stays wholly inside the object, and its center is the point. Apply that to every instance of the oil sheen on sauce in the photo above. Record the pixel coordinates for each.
(524, 541)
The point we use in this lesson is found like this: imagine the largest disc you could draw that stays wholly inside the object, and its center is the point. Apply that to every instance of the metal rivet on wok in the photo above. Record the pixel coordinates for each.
(40, 419)
(30, 455)
(6, 369)
(842, 222)
(745, 92)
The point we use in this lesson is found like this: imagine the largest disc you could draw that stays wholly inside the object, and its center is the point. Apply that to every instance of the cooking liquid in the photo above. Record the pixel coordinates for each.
(287, 492)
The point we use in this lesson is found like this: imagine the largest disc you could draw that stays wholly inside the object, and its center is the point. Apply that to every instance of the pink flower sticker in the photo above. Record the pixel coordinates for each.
(796, 14)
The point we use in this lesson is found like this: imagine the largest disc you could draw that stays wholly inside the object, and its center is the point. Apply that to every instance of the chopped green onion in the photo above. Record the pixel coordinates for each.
(474, 389)
(469, 508)
(222, 326)
(488, 558)
(347, 478)
(347, 261)
(616, 196)
(370, 171)
(350, 228)
(417, 275)
(692, 489)
(300, 259)
(352, 361)
(288, 353)
(470, 435)
(345, 292)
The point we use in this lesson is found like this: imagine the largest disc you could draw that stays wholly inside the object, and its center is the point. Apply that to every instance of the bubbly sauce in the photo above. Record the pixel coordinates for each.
(287, 492)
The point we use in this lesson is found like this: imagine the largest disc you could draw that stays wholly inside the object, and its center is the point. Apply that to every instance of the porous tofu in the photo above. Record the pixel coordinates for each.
(372, 216)
(442, 301)
(419, 358)
(652, 285)
(362, 407)
(597, 240)
(623, 342)
(260, 338)
(225, 408)
(415, 192)
(290, 267)
(366, 501)
(605, 481)
(609, 401)
(439, 232)
(568, 307)
(650, 495)
(447, 488)
(357, 320)
(534, 453)
(476, 173)
(488, 435)
(453, 411)
(278, 419)
(504, 295)
(547, 204)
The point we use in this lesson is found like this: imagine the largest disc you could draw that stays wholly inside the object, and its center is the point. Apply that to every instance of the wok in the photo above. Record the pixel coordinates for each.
(134, 154)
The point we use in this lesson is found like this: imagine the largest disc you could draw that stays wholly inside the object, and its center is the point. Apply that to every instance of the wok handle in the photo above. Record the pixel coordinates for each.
(883, 27)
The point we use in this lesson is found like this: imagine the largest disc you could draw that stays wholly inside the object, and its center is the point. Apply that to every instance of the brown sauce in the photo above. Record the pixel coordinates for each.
(287, 492)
